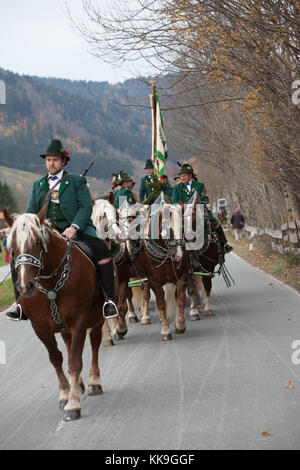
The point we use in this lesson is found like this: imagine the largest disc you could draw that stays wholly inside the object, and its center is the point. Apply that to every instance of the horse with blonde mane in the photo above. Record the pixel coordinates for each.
(59, 294)
(105, 219)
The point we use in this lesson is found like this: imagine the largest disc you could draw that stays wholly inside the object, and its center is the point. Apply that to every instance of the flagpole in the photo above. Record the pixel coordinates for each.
(154, 126)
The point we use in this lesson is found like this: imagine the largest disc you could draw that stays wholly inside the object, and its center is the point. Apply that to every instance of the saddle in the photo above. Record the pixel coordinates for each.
(87, 250)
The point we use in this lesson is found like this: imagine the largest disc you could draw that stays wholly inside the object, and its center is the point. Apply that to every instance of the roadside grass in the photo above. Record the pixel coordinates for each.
(6, 294)
(2, 257)
(286, 268)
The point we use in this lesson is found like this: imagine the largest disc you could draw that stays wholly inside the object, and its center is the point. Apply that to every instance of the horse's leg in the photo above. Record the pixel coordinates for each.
(121, 327)
(73, 407)
(193, 294)
(161, 305)
(95, 385)
(56, 359)
(145, 317)
(68, 341)
(132, 318)
(180, 325)
(107, 339)
(207, 284)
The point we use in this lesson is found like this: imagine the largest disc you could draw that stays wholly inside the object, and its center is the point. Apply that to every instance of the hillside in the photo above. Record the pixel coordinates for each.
(90, 127)
(20, 183)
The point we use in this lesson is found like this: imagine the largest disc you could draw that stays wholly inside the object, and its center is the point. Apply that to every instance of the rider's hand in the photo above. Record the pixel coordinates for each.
(69, 232)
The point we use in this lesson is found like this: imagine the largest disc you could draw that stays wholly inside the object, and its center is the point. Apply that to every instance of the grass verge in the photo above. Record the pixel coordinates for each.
(6, 294)
(286, 268)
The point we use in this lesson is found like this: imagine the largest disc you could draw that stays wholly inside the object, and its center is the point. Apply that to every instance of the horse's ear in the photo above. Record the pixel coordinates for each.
(42, 214)
(111, 197)
(8, 218)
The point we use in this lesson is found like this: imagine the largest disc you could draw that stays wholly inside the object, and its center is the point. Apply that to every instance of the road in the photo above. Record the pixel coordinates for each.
(221, 385)
(5, 272)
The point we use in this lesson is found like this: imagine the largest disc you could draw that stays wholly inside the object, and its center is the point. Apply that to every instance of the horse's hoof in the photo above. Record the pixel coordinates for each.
(195, 317)
(146, 321)
(208, 313)
(180, 332)
(62, 404)
(71, 415)
(166, 337)
(133, 319)
(94, 390)
(82, 388)
(107, 343)
(118, 337)
(122, 333)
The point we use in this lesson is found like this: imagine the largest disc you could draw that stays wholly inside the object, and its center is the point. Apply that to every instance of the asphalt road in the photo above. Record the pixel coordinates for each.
(221, 385)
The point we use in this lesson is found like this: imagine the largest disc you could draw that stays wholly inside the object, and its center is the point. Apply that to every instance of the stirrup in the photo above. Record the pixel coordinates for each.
(13, 314)
(113, 315)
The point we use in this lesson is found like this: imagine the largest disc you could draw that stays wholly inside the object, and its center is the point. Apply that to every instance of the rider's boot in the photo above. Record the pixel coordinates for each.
(14, 312)
(107, 281)
(221, 235)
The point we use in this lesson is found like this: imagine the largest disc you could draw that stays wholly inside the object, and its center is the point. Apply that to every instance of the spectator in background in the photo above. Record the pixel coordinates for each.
(237, 221)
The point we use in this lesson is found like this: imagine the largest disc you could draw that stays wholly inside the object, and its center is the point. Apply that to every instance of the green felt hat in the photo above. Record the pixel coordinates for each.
(186, 169)
(125, 177)
(149, 164)
(56, 149)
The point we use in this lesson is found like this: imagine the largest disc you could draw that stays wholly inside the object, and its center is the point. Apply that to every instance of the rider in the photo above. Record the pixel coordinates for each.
(125, 191)
(69, 211)
(183, 191)
(145, 189)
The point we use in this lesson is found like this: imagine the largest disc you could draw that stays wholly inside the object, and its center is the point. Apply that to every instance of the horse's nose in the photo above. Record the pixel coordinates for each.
(27, 290)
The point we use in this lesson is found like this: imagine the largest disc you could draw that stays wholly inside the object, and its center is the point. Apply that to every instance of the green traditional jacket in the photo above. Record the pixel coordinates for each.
(182, 194)
(75, 202)
(124, 192)
(145, 191)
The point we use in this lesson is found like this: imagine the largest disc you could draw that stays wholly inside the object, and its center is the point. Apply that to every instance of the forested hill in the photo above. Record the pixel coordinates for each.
(83, 115)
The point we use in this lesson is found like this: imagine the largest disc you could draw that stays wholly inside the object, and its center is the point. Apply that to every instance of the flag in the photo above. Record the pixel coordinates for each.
(159, 144)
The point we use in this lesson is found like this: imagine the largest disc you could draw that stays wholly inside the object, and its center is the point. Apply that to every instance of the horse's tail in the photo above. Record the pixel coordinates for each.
(170, 299)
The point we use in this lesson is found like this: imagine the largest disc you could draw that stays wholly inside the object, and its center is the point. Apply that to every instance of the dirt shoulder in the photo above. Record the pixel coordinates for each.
(286, 268)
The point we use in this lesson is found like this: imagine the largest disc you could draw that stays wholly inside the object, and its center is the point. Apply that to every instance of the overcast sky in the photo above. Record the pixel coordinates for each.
(37, 39)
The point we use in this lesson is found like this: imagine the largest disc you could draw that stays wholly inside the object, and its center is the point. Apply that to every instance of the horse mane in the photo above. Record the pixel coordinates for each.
(27, 228)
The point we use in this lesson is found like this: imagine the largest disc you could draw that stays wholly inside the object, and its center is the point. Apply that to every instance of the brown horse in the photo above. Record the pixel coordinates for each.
(59, 294)
(165, 266)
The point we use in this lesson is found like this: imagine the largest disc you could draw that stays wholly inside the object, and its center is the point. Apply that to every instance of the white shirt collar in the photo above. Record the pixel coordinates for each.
(59, 175)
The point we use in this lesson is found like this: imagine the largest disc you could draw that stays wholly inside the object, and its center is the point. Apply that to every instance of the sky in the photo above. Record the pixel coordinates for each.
(36, 39)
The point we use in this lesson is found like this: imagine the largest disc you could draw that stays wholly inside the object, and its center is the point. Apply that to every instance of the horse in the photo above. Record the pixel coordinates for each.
(162, 262)
(203, 260)
(59, 293)
(105, 219)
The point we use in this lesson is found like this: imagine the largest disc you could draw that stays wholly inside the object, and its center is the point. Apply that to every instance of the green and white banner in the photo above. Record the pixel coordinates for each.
(159, 144)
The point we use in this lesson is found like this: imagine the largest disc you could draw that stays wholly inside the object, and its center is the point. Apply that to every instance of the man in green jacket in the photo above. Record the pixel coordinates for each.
(125, 191)
(183, 192)
(69, 211)
(145, 188)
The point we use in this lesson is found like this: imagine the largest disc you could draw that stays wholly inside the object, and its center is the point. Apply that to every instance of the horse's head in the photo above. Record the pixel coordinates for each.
(104, 217)
(171, 230)
(130, 224)
(28, 237)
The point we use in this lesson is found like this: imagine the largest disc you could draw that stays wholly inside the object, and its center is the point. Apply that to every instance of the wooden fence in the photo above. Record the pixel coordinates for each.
(285, 240)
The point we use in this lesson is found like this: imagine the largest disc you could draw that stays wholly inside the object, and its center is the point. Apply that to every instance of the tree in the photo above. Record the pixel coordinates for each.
(7, 199)
(250, 49)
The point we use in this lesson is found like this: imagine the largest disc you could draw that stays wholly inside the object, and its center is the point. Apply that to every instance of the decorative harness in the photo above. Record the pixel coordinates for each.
(51, 294)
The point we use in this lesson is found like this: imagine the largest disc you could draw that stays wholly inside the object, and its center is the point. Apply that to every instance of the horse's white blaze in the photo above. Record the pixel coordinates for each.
(22, 275)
